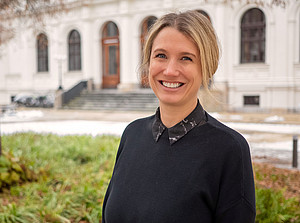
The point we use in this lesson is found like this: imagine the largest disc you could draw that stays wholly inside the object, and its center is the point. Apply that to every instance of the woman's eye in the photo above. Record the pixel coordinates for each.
(187, 58)
(160, 55)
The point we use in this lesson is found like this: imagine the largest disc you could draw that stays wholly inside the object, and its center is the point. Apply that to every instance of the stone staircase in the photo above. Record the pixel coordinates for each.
(114, 100)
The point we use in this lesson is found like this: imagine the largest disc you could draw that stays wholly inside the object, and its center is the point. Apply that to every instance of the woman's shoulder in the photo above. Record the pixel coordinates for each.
(139, 124)
(224, 132)
(138, 127)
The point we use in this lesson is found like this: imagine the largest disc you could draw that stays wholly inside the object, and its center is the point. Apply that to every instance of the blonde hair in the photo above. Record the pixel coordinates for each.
(198, 29)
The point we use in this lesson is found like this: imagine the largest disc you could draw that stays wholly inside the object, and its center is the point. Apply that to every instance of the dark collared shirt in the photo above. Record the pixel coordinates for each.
(206, 176)
(195, 118)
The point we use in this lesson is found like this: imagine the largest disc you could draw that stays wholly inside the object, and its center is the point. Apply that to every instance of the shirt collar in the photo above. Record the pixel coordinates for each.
(195, 118)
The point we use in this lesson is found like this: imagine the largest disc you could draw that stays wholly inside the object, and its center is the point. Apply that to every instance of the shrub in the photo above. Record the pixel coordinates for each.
(13, 171)
(273, 207)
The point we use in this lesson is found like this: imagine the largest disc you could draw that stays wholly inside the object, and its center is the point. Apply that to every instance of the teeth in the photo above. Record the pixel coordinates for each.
(171, 85)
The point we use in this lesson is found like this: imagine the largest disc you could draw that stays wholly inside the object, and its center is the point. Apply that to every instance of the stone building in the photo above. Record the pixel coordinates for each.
(102, 41)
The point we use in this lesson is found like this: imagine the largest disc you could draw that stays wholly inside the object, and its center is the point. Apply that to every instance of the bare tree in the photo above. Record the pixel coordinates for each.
(31, 13)
(267, 3)
(264, 3)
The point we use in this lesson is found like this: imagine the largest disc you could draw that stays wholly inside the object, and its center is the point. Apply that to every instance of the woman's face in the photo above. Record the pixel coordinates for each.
(175, 70)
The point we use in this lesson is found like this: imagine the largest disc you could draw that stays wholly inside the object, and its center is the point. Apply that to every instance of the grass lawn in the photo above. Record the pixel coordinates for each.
(73, 173)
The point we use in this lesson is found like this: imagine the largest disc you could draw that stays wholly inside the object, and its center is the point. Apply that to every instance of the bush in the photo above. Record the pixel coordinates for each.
(272, 207)
(13, 171)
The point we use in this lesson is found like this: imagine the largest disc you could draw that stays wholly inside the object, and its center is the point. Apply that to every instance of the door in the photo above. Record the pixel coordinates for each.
(111, 56)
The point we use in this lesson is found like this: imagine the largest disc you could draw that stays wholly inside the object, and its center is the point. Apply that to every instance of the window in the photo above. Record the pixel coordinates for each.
(251, 100)
(42, 53)
(253, 28)
(74, 51)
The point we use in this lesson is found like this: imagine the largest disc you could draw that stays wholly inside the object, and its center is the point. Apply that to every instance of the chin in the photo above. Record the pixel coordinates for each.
(171, 101)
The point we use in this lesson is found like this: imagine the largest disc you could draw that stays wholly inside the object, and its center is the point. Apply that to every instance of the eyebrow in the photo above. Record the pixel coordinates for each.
(181, 53)
(159, 49)
(187, 53)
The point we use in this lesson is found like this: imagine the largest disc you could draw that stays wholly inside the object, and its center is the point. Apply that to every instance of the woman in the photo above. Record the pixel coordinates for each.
(181, 165)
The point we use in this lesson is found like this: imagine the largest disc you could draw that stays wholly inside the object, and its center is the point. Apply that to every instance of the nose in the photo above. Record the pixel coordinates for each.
(171, 68)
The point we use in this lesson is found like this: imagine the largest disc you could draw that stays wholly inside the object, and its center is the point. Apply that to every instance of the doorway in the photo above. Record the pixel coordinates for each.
(111, 56)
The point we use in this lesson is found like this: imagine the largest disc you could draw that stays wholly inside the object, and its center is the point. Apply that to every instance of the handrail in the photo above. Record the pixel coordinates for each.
(73, 92)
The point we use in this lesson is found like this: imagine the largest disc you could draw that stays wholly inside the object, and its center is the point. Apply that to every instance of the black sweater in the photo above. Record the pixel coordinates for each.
(204, 177)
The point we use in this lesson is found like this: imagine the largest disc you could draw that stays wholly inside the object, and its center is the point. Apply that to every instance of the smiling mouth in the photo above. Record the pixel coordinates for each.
(171, 84)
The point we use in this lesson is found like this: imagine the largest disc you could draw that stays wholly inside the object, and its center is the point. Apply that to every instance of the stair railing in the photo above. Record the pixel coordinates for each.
(75, 91)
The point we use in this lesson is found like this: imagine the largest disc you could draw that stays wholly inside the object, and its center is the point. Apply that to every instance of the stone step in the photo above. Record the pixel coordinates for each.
(114, 100)
(120, 98)
(93, 108)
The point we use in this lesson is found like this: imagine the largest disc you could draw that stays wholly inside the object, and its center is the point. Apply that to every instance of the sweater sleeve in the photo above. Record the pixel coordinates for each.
(123, 138)
(239, 212)
(104, 202)
(236, 202)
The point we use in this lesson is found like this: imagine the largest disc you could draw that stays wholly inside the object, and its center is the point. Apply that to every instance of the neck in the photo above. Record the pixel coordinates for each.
(170, 115)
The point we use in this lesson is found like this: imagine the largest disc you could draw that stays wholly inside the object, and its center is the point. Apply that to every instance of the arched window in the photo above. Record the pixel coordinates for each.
(42, 53)
(74, 43)
(111, 56)
(253, 29)
(146, 25)
(204, 13)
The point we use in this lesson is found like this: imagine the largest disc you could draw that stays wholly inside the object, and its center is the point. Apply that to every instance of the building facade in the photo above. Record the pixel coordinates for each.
(102, 41)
